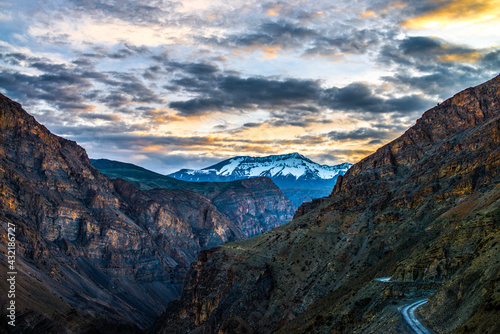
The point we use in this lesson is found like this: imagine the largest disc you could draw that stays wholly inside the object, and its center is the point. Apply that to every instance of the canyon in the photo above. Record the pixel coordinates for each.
(139, 252)
(100, 254)
(423, 210)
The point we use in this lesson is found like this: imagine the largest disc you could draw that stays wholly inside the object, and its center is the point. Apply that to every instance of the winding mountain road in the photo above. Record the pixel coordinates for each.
(409, 314)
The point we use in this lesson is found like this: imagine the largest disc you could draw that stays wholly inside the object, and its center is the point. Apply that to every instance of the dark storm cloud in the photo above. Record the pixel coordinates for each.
(62, 89)
(421, 52)
(252, 125)
(72, 87)
(229, 92)
(420, 45)
(196, 69)
(359, 97)
(198, 106)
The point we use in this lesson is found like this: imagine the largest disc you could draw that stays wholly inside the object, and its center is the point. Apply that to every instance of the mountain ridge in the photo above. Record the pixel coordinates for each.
(255, 205)
(423, 209)
(275, 166)
(300, 178)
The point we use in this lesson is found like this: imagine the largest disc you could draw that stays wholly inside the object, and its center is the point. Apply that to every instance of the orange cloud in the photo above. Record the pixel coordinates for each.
(273, 12)
(457, 12)
(470, 57)
(270, 51)
(153, 148)
(368, 13)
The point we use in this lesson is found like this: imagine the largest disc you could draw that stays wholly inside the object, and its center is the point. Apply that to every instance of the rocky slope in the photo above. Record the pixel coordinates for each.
(423, 209)
(92, 254)
(254, 205)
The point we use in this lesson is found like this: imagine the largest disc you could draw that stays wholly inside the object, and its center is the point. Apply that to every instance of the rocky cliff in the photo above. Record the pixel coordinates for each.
(423, 209)
(254, 205)
(91, 254)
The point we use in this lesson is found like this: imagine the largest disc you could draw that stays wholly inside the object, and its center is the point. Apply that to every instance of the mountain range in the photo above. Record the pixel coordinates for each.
(101, 255)
(254, 205)
(139, 252)
(417, 220)
(300, 178)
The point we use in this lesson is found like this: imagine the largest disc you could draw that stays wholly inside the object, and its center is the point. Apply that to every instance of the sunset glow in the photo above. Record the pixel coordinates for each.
(185, 84)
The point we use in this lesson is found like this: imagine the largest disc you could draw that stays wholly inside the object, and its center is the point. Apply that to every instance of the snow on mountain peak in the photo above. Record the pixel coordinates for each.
(286, 165)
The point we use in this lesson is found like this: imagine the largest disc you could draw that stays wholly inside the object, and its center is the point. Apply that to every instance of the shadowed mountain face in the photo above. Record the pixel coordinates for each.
(95, 255)
(423, 209)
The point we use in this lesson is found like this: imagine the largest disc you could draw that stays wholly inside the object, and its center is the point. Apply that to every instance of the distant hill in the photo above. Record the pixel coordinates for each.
(255, 205)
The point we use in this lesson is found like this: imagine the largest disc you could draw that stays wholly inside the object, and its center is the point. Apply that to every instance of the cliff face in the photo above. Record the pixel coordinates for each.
(114, 252)
(257, 206)
(254, 205)
(423, 209)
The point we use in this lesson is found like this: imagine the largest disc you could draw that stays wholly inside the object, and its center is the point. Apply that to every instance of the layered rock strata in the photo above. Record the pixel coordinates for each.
(92, 252)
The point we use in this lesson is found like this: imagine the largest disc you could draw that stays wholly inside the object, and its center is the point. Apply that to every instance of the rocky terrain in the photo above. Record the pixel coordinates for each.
(423, 210)
(94, 254)
(254, 205)
(300, 178)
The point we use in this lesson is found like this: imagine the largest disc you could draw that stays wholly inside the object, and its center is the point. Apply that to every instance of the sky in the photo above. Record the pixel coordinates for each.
(185, 84)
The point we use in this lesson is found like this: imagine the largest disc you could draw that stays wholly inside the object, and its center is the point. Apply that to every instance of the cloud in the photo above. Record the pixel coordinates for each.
(422, 51)
(350, 40)
(138, 12)
(456, 12)
(267, 36)
(63, 89)
(442, 81)
(360, 134)
(432, 66)
(359, 97)
(232, 92)
(273, 36)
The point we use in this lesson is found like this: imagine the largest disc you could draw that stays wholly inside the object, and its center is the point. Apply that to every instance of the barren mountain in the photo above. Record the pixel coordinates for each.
(422, 210)
(254, 205)
(95, 255)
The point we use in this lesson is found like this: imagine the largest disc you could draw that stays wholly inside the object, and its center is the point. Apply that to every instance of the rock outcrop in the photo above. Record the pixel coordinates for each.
(423, 209)
(254, 205)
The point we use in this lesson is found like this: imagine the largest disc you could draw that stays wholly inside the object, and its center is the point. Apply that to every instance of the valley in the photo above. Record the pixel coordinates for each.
(136, 251)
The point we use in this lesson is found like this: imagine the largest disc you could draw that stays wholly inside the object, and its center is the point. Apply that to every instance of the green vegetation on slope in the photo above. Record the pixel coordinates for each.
(145, 179)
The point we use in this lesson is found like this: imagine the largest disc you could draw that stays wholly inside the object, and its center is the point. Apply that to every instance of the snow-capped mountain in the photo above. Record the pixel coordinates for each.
(288, 171)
